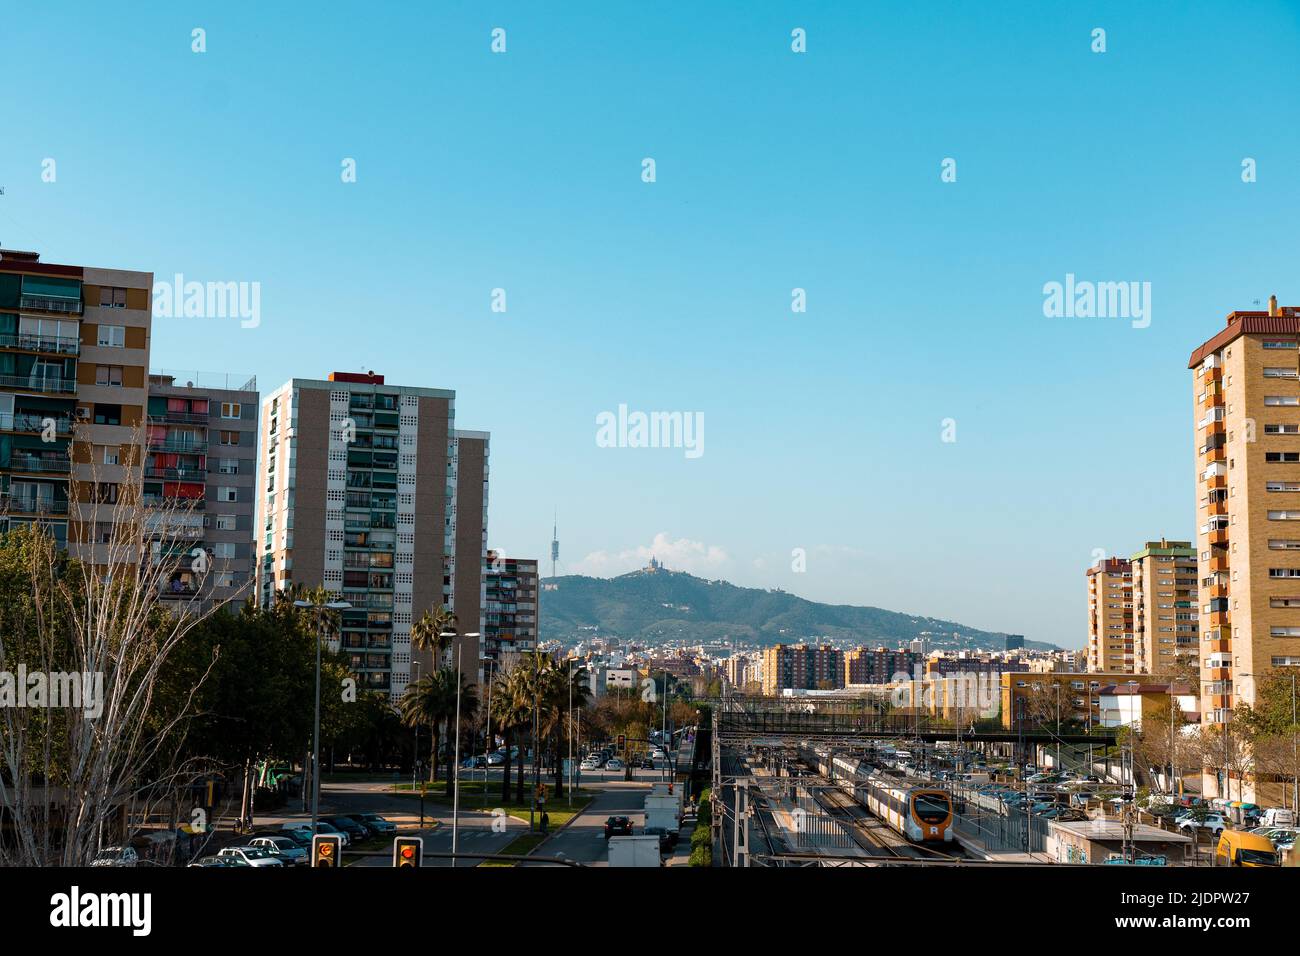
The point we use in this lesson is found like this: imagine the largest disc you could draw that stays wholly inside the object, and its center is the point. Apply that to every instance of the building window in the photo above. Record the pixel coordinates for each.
(1282, 399)
(230, 410)
(225, 522)
(223, 549)
(108, 375)
(1280, 373)
(112, 336)
(112, 298)
(228, 466)
(229, 438)
(106, 492)
(1278, 457)
(228, 495)
(109, 454)
(106, 414)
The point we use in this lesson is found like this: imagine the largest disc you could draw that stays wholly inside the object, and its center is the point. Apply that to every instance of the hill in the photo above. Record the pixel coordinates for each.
(656, 606)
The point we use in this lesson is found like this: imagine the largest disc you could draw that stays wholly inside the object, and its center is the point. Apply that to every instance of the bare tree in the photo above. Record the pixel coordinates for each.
(88, 760)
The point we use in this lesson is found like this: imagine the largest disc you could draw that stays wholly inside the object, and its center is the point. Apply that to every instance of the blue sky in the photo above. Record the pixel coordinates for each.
(775, 170)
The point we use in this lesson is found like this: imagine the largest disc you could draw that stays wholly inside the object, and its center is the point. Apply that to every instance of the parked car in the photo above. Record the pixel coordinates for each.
(496, 759)
(357, 831)
(116, 856)
(614, 764)
(283, 847)
(1213, 822)
(618, 826)
(299, 835)
(219, 862)
(474, 763)
(253, 856)
(322, 826)
(378, 824)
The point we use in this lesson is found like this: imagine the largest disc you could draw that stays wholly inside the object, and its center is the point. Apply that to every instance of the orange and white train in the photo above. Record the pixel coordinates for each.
(920, 812)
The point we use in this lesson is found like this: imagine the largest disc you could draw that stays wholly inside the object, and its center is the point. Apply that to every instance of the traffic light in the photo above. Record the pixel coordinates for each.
(622, 742)
(326, 850)
(408, 852)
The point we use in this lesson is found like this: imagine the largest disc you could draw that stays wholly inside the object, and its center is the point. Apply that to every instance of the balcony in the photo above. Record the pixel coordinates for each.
(34, 424)
(180, 418)
(162, 501)
(175, 474)
(177, 591)
(36, 463)
(1219, 619)
(40, 383)
(1217, 564)
(1217, 508)
(179, 447)
(1218, 536)
(47, 303)
(1212, 398)
(32, 505)
(48, 344)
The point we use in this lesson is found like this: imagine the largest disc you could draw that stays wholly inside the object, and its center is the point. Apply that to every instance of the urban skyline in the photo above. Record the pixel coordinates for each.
(683, 301)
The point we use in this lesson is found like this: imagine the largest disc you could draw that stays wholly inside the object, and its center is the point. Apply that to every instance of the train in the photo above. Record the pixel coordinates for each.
(921, 813)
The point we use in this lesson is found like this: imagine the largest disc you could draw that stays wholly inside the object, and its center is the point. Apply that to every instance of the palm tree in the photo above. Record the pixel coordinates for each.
(427, 633)
(559, 688)
(512, 711)
(420, 706)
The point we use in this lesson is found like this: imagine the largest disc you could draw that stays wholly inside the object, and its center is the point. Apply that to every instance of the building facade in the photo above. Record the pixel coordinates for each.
(1246, 407)
(360, 492)
(74, 355)
(1164, 605)
(201, 467)
(509, 608)
(879, 665)
(801, 667)
(1110, 617)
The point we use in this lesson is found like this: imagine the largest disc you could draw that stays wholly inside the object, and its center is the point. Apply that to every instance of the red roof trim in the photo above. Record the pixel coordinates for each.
(1247, 323)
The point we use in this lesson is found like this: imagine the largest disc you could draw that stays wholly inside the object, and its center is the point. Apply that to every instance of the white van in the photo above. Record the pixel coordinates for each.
(1277, 817)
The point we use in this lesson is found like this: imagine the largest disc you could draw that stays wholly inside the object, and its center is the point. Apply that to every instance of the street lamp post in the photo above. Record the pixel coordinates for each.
(488, 749)
(569, 781)
(455, 760)
(537, 767)
(315, 738)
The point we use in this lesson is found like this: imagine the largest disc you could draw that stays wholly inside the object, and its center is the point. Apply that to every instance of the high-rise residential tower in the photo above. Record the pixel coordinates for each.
(1246, 401)
(1110, 617)
(367, 489)
(1164, 605)
(202, 466)
(74, 354)
(510, 609)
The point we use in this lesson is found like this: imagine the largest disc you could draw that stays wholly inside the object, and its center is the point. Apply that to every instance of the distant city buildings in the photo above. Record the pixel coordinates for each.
(802, 666)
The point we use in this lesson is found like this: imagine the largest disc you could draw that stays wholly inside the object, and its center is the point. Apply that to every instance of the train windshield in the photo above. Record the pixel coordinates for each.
(931, 807)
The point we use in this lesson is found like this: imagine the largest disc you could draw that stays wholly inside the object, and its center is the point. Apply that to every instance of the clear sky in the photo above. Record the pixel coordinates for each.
(774, 170)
